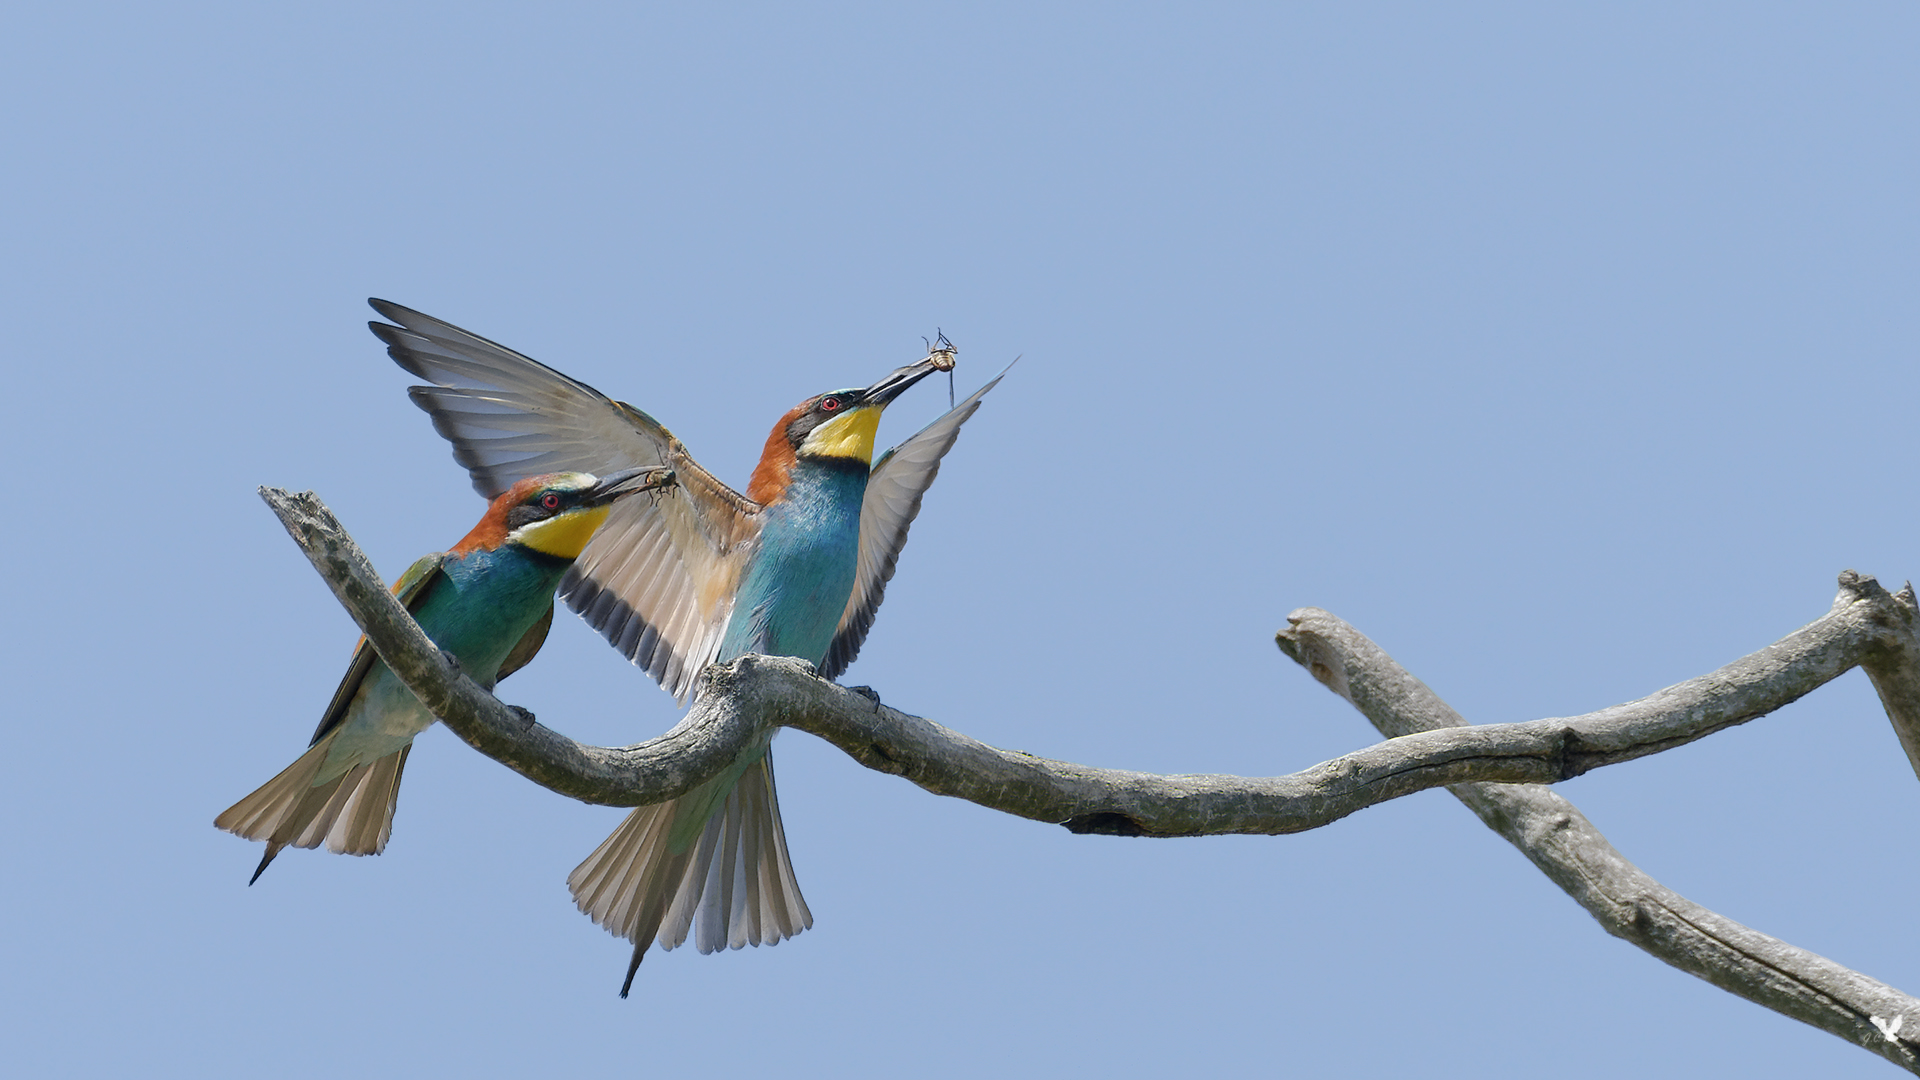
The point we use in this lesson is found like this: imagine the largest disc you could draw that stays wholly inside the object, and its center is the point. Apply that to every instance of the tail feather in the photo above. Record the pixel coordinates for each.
(608, 885)
(314, 816)
(715, 904)
(256, 816)
(369, 814)
(618, 884)
(785, 910)
(272, 850)
(734, 883)
(352, 813)
(686, 901)
(743, 919)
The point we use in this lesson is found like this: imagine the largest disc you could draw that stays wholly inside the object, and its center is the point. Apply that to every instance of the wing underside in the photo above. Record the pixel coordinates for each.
(658, 577)
(899, 481)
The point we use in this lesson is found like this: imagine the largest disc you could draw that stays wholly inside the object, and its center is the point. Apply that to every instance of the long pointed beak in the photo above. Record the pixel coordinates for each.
(627, 482)
(894, 385)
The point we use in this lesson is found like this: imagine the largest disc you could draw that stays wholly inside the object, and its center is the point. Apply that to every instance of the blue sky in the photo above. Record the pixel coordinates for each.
(1567, 352)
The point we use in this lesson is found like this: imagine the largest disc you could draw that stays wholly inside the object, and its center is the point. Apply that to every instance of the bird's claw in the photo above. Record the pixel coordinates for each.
(869, 693)
(525, 715)
(451, 661)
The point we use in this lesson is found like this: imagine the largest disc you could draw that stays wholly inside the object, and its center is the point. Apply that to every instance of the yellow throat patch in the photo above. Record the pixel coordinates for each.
(849, 436)
(562, 536)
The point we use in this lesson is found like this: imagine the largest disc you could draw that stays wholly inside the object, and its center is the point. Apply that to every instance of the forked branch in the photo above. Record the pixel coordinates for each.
(1491, 767)
(1628, 903)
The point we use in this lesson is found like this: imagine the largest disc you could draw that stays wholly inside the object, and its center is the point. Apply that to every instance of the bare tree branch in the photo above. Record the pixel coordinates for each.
(659, 769)
(741, 699)
(738, 700)
(768, 692)
(1895, 669)
(1627, 902)
(1493, 768)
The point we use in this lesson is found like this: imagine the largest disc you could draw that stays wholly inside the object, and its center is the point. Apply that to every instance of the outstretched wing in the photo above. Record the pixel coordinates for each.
(509, 416)
(658, 577)
(896, 485)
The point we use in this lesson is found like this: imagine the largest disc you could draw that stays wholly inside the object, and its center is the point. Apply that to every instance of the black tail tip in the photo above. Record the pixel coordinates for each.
(272, 850)
(639, 951)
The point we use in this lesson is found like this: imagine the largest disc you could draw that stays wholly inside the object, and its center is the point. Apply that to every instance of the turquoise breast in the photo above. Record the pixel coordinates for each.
(797, 586)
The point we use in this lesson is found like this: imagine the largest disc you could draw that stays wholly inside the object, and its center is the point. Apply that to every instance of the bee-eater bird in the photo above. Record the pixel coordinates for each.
(487, 602)
(795, 567)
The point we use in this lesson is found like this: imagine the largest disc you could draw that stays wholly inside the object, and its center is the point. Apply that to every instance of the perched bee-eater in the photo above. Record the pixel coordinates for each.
(487, 602)
(795, 567)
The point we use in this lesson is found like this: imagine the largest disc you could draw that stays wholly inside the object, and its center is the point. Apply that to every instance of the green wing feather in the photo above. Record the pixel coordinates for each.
(528, 646)
(411, 591)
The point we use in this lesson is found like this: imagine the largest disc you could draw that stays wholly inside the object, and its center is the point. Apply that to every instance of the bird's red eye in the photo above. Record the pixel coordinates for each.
(829, 404)
(550, 501)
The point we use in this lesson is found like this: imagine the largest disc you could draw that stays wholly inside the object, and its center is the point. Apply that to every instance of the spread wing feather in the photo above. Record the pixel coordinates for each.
(658, 577)
(898, 482)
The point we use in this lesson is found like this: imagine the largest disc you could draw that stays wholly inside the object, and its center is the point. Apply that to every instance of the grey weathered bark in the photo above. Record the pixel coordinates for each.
(1623, 898)
(1430, 746)
(1895, 668)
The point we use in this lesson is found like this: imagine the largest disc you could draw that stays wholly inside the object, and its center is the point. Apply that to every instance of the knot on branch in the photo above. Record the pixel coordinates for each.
(1895, 611)
(1565, 760)
(1105, 823)
(879, 759)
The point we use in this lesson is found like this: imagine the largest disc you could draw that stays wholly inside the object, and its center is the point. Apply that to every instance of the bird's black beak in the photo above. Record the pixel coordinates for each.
(627, 482)
(894, 385)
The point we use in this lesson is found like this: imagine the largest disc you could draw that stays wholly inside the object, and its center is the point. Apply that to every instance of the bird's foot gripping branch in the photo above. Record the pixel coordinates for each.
(1498, 770)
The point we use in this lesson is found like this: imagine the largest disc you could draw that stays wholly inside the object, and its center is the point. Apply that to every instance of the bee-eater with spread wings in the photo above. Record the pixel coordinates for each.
(488, 602)
(795, 567)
